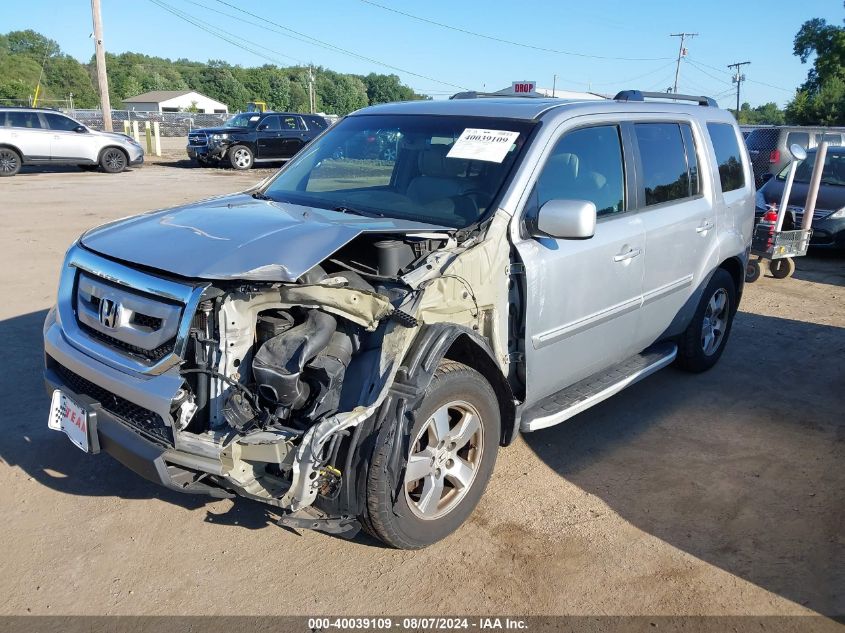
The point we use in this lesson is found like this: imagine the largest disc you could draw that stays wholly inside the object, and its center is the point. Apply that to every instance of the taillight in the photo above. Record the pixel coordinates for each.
(774, 156)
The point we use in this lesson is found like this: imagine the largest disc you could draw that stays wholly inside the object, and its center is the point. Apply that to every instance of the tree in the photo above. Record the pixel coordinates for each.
(766, 114)
(821, 98)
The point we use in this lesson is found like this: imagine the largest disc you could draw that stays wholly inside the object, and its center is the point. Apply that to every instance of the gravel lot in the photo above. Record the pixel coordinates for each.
(722, 493)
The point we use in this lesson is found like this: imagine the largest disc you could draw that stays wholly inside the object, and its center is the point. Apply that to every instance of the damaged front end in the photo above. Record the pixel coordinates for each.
(260, 386)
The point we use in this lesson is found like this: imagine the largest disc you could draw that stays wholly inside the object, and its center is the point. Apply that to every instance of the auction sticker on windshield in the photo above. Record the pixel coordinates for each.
(488, 145)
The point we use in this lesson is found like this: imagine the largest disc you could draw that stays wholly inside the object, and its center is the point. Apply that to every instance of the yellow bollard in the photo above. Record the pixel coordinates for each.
(126, 128)
(157, 137)
(135, 133)
(148, 134)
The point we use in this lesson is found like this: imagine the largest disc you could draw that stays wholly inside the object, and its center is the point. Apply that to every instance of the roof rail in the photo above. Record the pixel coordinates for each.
(637, 95)
(474, 94)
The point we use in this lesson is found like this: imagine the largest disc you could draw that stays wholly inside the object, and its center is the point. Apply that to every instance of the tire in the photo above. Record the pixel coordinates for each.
(752, 272)
(89, 167)
(417, 517)
(10, 162)
(713, 317)
(113, 160)
(782, 268)
(240, 157)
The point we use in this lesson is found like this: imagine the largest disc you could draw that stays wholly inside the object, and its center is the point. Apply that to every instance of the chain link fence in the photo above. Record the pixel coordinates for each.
(170, 123)
(768, 146)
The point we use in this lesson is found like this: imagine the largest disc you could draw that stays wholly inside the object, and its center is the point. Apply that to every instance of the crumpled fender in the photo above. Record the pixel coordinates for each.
(362, 307)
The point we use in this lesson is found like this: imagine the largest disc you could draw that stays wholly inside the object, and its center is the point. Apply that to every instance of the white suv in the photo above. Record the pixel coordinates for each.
(37, 136)
(352, 340)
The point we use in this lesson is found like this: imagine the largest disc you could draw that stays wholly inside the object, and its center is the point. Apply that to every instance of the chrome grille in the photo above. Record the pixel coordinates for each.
(136, 323)
(197, 138)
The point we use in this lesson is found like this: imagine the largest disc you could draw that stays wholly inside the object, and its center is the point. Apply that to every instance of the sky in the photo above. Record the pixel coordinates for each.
(556, 37)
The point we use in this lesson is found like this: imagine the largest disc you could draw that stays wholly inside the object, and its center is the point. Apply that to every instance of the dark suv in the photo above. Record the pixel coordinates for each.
(254, 137)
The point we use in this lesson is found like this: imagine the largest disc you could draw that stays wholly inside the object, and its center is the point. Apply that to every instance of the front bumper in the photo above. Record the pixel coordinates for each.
(206, 152)
(136, 155)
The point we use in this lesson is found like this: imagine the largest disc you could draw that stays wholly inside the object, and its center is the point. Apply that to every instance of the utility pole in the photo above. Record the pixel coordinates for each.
(738, 78)
(682, 52)
(102, 78)
(554, 84)
(312, 98)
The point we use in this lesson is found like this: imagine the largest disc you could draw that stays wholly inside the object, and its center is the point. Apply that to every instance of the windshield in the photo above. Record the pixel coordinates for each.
(246, 119)
(832, 174)
(445, 170)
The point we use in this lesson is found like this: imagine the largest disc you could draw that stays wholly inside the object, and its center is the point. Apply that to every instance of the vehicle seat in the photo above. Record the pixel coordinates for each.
(440, 177)
(559, 178)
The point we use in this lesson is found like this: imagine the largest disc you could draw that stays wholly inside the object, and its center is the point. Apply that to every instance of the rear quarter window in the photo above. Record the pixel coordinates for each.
(728, 156)
(801, 138)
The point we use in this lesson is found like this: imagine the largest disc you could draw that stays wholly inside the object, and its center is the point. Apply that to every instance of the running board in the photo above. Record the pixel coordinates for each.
(571, 401)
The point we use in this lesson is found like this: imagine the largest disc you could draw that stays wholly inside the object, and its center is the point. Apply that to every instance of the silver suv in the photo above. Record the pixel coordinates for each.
(37, 136)
(353, 340)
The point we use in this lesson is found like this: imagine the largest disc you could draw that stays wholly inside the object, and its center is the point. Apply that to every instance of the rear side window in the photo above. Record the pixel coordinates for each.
(316, 122)
(832, 139)
(670, 164)
(763, 139)
(23, 119)
(728, 158)
(801, 138)
(290, 123)
(585, 164)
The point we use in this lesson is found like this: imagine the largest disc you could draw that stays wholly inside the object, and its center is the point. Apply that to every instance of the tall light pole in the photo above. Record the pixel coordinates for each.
(738, 78)
(100, 51)
(681, 53)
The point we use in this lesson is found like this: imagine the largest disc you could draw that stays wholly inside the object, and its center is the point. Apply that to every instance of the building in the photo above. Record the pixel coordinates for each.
(174, 101)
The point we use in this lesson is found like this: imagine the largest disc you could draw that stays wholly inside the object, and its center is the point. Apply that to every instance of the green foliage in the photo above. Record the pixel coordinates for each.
(821, 99)
(766, 114)
(284, 89)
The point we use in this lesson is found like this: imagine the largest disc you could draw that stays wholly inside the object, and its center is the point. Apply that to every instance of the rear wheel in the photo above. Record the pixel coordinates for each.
(113, 161)
(240, 157)
(782, 268)
(703, 342)
(446, 465)
(10, 162)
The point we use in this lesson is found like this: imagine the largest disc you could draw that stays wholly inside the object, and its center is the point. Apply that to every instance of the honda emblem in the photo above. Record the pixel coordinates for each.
(109, 310)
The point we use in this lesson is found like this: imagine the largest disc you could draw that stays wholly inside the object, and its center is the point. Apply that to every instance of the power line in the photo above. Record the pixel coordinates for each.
(501, 40)
(322, 44)
(704, 72)
(754, 81)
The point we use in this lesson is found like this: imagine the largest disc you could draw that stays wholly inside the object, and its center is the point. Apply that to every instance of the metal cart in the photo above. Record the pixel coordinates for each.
(779, 248)
(769, 241)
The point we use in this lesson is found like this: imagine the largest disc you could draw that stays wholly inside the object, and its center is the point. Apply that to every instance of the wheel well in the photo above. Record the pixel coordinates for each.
(13, 148)
(735, 269)
(107, 147)
(470, 353)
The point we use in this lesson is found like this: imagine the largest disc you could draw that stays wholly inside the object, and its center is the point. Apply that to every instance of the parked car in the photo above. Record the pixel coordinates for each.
(829, 215)
(353, 340)
(38, 136)
(254, 137)
(769, 146)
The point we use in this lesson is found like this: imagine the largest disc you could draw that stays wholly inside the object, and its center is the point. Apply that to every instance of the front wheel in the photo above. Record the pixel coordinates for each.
(240, 157)
(113, 161)
(448, 460)
(702, 343)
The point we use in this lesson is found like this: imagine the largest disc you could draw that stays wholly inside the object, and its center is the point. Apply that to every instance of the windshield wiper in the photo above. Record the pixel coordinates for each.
(261, 196)
(351, 211)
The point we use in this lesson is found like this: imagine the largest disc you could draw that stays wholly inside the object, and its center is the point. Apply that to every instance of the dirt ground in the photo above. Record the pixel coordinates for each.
(722, 493)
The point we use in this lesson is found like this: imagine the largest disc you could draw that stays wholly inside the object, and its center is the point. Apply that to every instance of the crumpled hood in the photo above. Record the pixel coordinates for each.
(237, 237)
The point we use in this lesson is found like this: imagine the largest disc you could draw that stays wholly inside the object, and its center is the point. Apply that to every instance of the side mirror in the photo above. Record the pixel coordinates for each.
(80, 129)
(567, 219)
(798, 152)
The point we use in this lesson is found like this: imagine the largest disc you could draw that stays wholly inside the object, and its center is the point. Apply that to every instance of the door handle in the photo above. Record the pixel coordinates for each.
(631, 254)
(704, 226)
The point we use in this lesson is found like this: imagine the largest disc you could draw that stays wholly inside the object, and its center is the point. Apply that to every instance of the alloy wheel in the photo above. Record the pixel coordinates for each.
(715, 321)
(443, 460)
(242, 158)
(8, 162)
(115, 160)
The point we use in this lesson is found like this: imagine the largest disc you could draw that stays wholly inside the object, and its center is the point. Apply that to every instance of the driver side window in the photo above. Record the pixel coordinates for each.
(585, 164)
